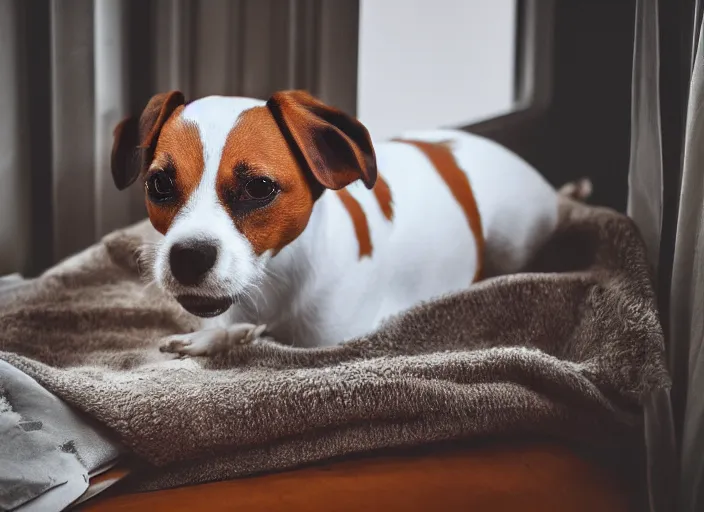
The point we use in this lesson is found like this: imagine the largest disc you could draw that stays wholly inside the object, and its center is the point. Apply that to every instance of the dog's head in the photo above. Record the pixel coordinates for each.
(231, 181)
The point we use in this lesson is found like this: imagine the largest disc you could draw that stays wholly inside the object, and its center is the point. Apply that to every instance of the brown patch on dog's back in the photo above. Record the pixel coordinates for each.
(257, 142)
(359, 222)
(179, 147)
(440, 155)
(382, 192)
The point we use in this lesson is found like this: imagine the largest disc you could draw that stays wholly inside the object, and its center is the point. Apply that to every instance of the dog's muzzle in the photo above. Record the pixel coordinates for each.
(204, 307)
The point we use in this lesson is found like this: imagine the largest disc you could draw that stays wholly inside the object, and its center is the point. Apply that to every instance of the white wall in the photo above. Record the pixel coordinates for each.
(432, 63)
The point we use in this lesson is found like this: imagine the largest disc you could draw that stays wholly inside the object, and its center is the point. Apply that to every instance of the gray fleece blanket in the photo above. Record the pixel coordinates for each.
(570, 348)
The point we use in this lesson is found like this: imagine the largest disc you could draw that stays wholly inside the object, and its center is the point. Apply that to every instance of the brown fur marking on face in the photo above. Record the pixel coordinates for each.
(359, 221)
(445, 164)
(257, 142)
(382, 192)
(180, 147)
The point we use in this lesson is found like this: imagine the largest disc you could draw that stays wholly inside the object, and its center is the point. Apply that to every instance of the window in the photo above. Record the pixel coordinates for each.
(434, 64)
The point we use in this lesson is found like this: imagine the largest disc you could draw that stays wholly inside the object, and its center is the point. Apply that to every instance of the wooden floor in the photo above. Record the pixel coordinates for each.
(527, 477)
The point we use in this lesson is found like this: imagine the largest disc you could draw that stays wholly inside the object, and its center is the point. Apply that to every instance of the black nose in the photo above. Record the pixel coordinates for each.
(191, 260)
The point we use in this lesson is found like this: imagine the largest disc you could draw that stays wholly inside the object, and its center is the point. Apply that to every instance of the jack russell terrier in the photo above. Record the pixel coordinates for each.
(284, 213)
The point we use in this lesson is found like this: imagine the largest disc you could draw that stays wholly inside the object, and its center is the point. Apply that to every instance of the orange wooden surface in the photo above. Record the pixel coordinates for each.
(526, 477)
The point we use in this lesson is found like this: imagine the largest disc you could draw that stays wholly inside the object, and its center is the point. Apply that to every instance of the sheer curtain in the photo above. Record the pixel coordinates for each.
(645, 207)
(674, 424)
(71, 69)
(687, 292)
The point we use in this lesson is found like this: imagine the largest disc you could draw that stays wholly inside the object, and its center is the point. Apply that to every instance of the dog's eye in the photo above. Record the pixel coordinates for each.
(259, 189)
(161, 187)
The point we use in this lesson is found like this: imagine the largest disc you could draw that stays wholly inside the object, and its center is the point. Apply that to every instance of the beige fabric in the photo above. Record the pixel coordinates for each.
(14, 192)
(571, 351)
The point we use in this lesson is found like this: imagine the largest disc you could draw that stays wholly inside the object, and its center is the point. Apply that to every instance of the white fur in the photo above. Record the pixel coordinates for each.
(237, 267)
(317, 291)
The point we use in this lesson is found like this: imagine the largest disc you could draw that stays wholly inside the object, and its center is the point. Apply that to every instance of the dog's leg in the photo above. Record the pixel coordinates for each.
(210, 342)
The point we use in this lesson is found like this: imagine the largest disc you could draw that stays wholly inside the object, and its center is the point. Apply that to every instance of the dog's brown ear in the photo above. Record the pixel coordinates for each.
(134, 140)
(333, 145)
(125, 160)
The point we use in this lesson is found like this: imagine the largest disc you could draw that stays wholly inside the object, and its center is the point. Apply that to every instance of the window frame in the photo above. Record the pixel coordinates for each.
(573, 101)
(533, 71)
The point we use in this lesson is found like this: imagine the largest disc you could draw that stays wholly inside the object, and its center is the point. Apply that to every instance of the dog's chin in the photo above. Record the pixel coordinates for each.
(204, 307)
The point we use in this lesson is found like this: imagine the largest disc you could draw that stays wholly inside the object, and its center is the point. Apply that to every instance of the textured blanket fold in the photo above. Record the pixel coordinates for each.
(569, 348)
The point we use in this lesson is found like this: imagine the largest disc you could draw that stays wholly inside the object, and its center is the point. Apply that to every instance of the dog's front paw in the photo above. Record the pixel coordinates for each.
(177, 344)
(210, 342)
